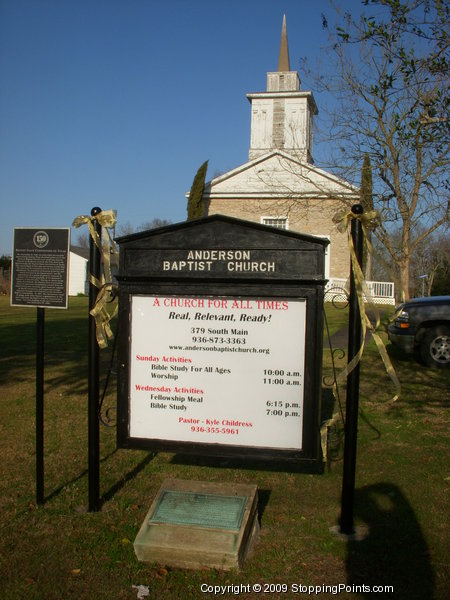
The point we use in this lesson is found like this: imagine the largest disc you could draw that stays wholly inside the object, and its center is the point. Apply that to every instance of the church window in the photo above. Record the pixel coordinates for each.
(279, 222)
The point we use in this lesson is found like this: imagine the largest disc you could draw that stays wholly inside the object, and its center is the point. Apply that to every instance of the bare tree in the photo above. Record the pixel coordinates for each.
(429, 263)
(440, 284)
(127, 228)
(154, 224)
(83, 239)
(431, 256)
(5, 274)
(389, 84)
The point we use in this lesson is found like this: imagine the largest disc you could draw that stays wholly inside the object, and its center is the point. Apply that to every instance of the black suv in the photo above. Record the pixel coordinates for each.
(422, 325)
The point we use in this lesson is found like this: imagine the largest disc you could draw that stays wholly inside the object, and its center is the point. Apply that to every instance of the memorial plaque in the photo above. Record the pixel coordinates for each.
(206, 510)
(40, 267)
(195, 524)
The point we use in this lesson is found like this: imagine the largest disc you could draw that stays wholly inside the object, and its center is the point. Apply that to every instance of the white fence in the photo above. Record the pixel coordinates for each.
(382, 292)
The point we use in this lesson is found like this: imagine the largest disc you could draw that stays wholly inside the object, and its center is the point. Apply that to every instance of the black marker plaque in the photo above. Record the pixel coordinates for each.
(40, 267)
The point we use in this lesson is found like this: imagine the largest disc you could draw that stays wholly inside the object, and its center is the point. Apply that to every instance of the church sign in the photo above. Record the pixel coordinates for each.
(220, 340)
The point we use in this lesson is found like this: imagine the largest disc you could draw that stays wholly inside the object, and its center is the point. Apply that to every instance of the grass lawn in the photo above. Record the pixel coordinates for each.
(60, 551)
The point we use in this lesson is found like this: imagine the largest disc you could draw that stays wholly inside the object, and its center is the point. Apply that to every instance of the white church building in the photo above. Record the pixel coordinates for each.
(279, 185)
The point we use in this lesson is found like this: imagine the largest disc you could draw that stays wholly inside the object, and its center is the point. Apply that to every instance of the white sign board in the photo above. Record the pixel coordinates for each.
(224, 370)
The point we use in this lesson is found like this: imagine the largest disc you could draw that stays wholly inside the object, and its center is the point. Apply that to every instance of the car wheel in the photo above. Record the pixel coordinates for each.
(435, 347)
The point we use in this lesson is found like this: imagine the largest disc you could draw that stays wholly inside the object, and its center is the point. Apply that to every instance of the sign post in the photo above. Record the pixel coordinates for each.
(40, 337)
(94, 376)
(40, 278)
(352, 402)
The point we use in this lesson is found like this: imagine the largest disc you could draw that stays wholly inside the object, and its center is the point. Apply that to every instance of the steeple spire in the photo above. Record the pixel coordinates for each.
(283, 59)
(282, 116)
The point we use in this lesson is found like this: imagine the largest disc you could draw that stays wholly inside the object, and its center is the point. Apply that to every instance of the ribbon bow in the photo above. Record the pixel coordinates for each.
(109, 253)
(369, 220)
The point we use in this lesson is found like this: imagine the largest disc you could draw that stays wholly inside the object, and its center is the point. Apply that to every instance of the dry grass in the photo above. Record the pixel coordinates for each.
(59, 551)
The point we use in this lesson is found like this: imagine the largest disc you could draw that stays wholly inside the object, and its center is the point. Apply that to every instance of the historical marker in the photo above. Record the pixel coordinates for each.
(40, 267)
(40, 278)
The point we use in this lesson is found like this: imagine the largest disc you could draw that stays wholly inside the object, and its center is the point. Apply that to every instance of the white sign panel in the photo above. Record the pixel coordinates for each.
(218, 370)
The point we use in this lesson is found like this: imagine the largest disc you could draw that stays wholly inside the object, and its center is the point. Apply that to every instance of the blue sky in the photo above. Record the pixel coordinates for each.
(116, 103)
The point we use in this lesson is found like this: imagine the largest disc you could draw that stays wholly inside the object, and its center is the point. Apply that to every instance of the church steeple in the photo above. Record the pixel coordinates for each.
(284, 79)
(282, 116)
(283, 59)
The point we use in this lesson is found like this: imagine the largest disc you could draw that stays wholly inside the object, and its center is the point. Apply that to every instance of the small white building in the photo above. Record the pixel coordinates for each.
(78, 271)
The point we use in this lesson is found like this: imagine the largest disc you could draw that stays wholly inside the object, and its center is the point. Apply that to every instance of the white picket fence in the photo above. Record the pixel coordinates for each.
(382, 292)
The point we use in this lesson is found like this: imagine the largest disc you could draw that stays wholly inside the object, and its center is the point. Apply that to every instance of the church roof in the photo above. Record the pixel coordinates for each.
(278, 174)
(287, 94)
(80, 251)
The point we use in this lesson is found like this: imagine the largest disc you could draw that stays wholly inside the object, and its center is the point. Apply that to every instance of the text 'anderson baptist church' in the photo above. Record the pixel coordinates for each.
(237, 261)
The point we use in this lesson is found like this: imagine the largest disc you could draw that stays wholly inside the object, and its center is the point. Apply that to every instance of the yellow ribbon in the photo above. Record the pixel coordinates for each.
(101, 315)
(324, 434)
(108, 248)
(368, 220)
(109, 254)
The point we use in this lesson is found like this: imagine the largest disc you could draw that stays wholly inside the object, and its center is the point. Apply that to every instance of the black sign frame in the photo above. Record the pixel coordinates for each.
(298, 275)
(40, 267)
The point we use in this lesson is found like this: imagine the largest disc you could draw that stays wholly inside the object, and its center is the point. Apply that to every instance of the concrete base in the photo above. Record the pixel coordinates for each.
(359, 534)
(205, 539)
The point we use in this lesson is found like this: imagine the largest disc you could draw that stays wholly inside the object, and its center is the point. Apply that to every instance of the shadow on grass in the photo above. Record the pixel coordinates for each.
(83, 473)
(244, 464)
(107, 496)
(395, 552)
(127, 477)
(263, 501)
(423, 387)
(65, 352)
(65, 345)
